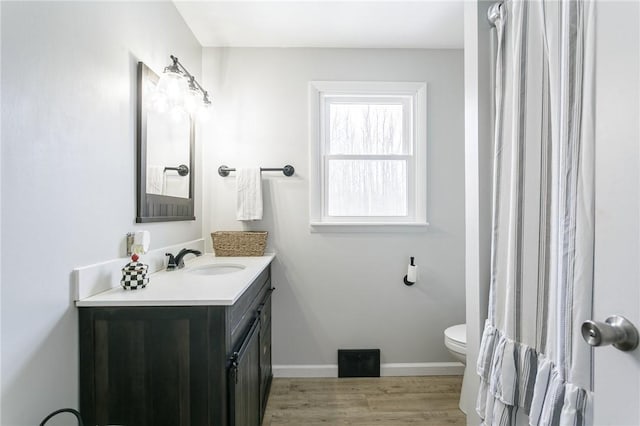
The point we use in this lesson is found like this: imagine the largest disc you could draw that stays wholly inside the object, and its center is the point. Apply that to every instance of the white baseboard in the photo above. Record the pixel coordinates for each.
(391, 369)
(422, 369)
(324, 370)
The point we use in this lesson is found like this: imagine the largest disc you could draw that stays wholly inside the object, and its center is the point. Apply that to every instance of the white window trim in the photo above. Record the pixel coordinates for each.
(418, 182)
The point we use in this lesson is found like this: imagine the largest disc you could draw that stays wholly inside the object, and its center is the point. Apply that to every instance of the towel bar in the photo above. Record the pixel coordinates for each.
(287, 170)
(182, 169)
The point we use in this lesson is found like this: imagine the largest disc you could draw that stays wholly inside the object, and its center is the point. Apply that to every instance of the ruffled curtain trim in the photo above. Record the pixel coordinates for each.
(515, 380)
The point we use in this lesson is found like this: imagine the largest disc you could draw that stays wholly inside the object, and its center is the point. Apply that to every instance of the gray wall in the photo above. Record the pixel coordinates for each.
(68, 175)
(478, 167)
(341, 290)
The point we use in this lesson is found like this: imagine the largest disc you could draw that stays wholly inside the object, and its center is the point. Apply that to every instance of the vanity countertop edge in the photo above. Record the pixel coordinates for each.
(183, 288)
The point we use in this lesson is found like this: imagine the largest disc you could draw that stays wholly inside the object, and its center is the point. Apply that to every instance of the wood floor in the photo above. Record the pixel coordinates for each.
(385, 401)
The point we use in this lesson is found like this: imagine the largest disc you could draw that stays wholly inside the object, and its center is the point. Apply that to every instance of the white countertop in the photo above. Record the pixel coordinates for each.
(184, 288)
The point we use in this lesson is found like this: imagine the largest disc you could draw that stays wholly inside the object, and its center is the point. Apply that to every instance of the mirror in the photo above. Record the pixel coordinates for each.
(165, 156)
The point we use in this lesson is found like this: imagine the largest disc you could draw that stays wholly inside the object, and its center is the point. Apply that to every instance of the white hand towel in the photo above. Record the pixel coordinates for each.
(155, 179)
(176, 185)
(249, 188)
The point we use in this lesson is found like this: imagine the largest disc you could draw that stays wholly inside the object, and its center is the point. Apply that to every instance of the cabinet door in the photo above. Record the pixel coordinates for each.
(244, 380)
(265, 352)
(144, 366)
(265, 366)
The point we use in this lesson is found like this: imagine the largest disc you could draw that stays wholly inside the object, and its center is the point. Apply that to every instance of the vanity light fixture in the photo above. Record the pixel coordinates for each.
(182, 91)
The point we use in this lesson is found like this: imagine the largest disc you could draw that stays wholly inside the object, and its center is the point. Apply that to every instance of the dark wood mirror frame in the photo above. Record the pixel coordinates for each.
(154, 207)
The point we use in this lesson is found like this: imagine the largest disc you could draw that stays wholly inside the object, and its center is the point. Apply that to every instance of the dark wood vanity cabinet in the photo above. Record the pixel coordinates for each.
(177, 365)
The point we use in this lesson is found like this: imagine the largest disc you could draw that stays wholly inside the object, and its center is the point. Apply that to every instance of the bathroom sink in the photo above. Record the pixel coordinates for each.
(216, 269)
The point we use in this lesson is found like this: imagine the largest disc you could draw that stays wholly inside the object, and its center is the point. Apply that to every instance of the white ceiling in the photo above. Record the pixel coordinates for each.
(357, 24)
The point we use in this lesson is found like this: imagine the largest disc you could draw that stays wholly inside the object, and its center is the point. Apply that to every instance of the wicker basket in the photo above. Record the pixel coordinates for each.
(239, 243)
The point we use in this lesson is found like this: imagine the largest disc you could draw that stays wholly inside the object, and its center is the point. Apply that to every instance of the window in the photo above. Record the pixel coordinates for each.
(368, 154)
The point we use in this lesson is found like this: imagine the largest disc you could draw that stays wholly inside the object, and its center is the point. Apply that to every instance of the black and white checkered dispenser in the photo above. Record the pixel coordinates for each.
(134, 274)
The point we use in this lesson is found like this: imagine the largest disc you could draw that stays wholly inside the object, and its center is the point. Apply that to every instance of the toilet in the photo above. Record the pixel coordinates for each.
(455, 339)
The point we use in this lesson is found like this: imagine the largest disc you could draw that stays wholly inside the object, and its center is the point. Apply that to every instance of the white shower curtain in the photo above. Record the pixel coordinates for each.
(534, 367)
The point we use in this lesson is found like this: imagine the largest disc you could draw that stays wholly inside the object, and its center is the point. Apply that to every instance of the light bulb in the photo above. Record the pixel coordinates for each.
(192, 100)
(174, 86)
(159, 102)
(178, 114)
(204, 112)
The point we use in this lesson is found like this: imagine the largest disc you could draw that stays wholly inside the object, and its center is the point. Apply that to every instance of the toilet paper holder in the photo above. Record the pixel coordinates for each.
(411, 277)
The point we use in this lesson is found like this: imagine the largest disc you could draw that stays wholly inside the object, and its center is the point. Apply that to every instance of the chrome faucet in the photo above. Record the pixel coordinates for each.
(177, 262)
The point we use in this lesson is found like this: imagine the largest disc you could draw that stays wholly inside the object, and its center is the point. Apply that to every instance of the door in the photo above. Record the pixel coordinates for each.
(617, 249)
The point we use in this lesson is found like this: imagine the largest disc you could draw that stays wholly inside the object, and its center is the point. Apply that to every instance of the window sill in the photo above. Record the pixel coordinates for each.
(360, 227)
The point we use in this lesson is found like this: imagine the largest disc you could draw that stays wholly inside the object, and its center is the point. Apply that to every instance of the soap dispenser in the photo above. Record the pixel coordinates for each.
(134, 274)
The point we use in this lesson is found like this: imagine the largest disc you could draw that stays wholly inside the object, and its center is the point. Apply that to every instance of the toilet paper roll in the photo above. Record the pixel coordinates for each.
(141, 242)
(412, 273)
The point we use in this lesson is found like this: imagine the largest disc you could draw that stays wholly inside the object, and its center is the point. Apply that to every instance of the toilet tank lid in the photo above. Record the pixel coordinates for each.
(457, 333)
